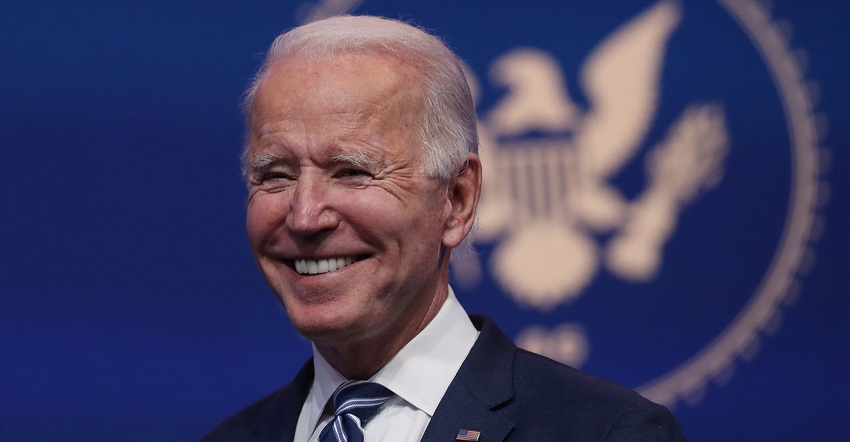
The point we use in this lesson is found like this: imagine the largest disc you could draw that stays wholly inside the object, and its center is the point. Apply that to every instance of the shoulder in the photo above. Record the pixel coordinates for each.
(552, 398)
(270, 418)
(592, 408)
(249, 423)
(537, 375)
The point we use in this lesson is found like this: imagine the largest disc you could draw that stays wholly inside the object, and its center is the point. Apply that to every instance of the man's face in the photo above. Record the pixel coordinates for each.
(343, 222)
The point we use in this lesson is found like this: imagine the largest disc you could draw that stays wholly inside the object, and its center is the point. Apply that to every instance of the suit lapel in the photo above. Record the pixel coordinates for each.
(460, 410)
(483, 382)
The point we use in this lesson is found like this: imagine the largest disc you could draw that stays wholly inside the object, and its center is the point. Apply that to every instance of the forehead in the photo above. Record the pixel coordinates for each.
(352, 82)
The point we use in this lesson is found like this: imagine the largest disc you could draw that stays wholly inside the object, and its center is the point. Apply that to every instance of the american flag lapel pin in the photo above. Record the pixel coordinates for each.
(468, 435)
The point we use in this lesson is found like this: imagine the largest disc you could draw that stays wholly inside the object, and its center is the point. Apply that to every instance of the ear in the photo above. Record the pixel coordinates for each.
(463, 197)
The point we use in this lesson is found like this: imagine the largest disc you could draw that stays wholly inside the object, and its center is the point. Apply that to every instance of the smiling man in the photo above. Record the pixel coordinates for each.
(363, 177)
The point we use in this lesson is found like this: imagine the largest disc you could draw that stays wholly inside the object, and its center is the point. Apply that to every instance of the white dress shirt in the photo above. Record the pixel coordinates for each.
(419, 375)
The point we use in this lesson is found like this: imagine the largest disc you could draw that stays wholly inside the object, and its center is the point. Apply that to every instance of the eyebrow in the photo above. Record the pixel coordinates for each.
(261, 162)
(358, 159)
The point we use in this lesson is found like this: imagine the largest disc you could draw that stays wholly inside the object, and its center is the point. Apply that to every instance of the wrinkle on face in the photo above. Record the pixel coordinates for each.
(337, 170)
(348, 127)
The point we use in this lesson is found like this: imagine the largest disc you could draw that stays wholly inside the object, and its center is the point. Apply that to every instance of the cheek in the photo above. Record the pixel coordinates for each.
(426, 227)
(261, 219)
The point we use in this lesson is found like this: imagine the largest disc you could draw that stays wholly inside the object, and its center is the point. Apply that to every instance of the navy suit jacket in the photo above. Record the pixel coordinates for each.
(506, 393)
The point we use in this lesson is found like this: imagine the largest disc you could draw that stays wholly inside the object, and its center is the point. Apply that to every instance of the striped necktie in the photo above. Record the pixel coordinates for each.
(356, 402)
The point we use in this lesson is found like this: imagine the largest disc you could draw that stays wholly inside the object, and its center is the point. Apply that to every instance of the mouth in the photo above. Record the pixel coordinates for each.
(318, 267)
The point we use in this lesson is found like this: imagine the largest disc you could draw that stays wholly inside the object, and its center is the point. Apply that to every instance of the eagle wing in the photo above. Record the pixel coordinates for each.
(620, 79)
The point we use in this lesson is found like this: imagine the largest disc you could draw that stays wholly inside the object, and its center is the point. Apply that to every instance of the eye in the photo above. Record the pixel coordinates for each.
(351, 172)
(273, 180)
(277, 175)
(274, 177)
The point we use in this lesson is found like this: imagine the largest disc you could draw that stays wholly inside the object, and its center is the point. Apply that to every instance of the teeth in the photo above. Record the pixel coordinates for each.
(306, 266)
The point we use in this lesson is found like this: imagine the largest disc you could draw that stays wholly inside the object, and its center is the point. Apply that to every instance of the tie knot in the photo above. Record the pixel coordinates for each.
(360, 398)
(356, 402)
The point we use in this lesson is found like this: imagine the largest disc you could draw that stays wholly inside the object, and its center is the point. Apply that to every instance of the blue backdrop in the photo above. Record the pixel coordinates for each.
(700, 257)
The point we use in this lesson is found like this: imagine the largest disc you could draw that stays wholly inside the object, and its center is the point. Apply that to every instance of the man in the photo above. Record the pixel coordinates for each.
(363, 177)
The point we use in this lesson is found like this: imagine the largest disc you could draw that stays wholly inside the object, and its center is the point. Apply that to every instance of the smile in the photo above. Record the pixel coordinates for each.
(310, 267)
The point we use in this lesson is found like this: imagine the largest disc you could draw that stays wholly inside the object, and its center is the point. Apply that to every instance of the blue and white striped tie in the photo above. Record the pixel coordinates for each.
(356, 402)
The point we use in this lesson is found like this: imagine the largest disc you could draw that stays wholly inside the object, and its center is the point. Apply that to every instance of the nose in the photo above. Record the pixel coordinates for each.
(311, 210)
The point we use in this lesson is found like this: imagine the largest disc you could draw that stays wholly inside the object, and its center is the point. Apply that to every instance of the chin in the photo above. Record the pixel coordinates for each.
(322, 326)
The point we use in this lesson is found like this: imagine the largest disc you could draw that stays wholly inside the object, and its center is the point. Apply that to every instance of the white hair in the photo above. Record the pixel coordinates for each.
(448, 131)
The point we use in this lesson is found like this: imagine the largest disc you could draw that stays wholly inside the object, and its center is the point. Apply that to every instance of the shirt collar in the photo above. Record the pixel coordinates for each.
(420, 373)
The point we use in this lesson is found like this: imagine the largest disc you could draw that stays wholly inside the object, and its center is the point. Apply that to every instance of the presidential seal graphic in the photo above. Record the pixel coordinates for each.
(652, 184)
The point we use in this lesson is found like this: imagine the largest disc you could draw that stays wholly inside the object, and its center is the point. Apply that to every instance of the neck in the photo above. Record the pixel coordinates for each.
(362, 359)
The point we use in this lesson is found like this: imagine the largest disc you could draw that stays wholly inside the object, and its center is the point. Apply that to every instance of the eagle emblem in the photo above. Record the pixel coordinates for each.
(549, 161)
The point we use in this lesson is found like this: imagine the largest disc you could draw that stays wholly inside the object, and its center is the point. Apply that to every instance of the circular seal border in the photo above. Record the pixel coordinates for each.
(780, 285)
(762, 314)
